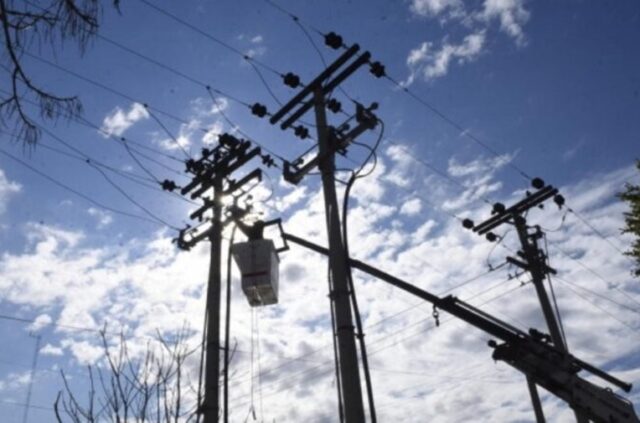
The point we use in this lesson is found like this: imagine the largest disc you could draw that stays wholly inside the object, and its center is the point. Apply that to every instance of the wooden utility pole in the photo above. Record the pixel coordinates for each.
(330, 140)
(211, 404)
(349, 369)
(533, 260)
(210, 173)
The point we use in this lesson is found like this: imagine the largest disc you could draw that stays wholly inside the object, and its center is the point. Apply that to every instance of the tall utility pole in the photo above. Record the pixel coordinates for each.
(315, 95)
(211, 173)
(212, 360)
(350, 375)
(34, 364)
(533, 260)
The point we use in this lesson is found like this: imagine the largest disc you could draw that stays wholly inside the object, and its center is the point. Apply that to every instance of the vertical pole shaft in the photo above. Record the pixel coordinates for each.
(211, 406)
(535, 400)
(347, 352)
(34, 364)
(538, 274)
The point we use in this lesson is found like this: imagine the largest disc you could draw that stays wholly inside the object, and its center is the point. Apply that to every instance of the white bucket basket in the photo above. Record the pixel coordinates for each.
(258, 263)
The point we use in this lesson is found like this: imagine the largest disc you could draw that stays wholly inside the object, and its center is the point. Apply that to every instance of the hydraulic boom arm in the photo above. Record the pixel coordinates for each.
(530, 353)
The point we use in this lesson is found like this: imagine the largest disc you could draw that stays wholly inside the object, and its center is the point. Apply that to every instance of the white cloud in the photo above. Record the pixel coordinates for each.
(146, 284)
(411, 207)
(214, 131)
(431, 60)
(51, 350)
(7, 189)
(432, 8)
(40, 322)
(119, 120)
(104, 218)
(255, 52)
(205, 114)
(511, 14)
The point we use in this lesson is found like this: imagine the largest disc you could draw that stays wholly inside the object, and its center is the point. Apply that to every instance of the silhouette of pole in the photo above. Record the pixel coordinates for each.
(347, 353)
(535, 400)
(34, 364)
(211, 406)
(538, 270)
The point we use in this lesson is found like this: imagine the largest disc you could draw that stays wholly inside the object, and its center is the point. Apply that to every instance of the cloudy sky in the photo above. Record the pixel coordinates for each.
(485, 92)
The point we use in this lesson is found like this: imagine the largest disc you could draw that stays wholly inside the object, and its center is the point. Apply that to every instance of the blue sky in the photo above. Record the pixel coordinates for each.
(552, 87)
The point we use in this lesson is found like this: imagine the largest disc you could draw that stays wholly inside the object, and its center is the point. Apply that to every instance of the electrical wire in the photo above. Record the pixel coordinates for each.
(594, 273)
(462, 130)
(236, 127)
(103, 86)
(84, 122)
(79, 194)
(345, 237)
(205, 34)
(199, 397)
(259, 365)
(227, 327)
(553, 292)
(95, 164)
(132, 200)
(597, 294)
(602, 309)
(322, 372)
(141, 180)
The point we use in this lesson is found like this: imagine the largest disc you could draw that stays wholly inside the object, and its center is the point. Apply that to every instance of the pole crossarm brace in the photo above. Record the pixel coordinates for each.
(530, 353)
(340, 139)
(315, 84)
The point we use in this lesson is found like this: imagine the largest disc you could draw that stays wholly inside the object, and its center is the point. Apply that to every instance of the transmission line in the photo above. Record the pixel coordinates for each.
(446, 118)
(78, 193)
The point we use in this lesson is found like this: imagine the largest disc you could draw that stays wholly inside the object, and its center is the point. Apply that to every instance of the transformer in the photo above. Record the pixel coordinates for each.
(259, 268)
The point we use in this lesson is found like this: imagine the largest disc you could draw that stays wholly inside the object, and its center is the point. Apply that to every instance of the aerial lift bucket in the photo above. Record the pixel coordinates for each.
(259, 264)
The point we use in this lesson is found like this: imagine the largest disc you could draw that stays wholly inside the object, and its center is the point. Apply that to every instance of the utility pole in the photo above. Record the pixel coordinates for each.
(212, 172)
(531, 259)
(533, 353)
(34, 364)
(330, 140)
(350, 375)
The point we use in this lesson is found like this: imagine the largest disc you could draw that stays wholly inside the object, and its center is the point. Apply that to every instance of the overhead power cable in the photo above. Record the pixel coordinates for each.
(290, 360)
(78, 193)
(465, 132)
(599, 307)
(594, 273)
(205, 34)
(140, 180)
(599, 295)
(320, 371)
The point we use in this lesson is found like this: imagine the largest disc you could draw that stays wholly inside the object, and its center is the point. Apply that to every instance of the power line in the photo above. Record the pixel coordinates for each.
(78, 193)
(106, 88)
(319, 366)
(602, 309)
(446, 118)
(597, 294)
(205, 34)
(19, 404)
(596, 274)
(83, 157)
(109, 180)
(291, 360)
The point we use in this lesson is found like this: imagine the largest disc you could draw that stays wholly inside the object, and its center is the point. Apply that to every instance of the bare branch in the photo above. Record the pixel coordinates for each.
(62, 20)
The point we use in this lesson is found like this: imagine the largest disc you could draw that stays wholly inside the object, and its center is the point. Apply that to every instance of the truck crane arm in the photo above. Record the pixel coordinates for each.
(530, 353)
